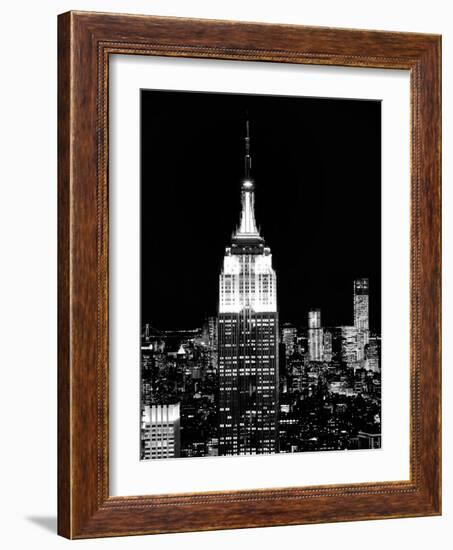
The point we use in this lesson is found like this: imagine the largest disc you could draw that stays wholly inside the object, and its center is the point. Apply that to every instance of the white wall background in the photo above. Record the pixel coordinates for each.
(28, 122)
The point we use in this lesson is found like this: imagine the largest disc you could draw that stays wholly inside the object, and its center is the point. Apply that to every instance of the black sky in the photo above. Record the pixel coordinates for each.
(316, 164)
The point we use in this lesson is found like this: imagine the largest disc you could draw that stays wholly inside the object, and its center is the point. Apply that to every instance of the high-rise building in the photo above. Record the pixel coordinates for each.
(160, 431)
(349, 347)
(248, 336)
(327, 346)
(361, 304)
(361, 315)
(209, 341)
(315, 347)
(289, 337)
(372, 354)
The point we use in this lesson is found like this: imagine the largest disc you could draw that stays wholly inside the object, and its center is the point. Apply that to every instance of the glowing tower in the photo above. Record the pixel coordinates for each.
(361, 315)
(315, 336)
(361, 307)
(247, 336)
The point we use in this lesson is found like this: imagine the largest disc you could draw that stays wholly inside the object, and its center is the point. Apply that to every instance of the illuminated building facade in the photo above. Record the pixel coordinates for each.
(289, 338)
(361, 304)
(248, 337)
(372, 354)
(349, 345)
(315, 335)
(361, 315)
(327, 346)
(160, 431)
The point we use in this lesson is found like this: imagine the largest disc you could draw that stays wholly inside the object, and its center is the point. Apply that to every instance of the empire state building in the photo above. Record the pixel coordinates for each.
(247, 336)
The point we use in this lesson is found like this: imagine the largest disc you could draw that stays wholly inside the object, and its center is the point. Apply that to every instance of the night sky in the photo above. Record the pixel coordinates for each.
(316, 164)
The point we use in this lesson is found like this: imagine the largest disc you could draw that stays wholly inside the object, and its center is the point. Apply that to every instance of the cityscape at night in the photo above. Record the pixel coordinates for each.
(326, 389)
(248, 379)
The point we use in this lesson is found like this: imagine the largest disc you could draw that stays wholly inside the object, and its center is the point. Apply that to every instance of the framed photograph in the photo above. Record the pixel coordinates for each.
(249, 275)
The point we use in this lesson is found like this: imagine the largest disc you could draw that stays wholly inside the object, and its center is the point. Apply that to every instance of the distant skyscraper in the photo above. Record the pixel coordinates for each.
(160, 431)
(248, 336)
(361, 315)
(315, 348)
(327, 347)
(349, 346)
(361, 304)
(289, 336)
(372, 353)
(209, 340)
(212, 327)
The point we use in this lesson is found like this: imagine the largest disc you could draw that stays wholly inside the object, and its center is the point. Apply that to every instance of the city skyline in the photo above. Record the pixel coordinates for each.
(187, 387)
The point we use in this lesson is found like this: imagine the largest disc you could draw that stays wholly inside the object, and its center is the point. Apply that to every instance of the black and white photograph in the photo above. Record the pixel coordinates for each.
(260, 274)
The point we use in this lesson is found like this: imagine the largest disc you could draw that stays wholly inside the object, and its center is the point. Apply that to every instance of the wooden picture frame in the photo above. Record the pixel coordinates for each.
(85, 42)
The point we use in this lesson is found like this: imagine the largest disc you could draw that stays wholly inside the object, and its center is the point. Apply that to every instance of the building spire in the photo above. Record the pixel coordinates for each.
(247, 228)
(248, 158)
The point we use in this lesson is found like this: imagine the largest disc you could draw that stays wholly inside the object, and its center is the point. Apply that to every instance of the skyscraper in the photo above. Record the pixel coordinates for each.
(361, 304)
(361, 315)
(350, 352)
(315, 347)
(372, 354)
(327, 347)
(160, 431)
(248, 336)
(289, 336)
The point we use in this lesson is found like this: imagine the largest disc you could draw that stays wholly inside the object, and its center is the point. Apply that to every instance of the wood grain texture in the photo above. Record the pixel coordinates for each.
(64, 371)
(86, 40)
